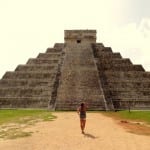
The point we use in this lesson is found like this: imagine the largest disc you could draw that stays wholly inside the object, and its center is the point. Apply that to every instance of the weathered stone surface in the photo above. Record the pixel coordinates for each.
(49, 55)
(78, 70)
(36, 68)
(24, 102)
(39, 61)
(55, 50)
(79, 79)
(123, 83)
(78, 36)
(25, 82)
(29, 75)
(31, 85)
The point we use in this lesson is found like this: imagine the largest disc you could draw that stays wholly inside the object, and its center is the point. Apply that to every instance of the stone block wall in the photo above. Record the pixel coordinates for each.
(125, 84)
(31, 85)
(75, 71)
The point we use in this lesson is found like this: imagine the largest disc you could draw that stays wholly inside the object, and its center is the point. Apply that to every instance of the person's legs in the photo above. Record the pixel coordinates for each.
(82, 125)
(84, 122)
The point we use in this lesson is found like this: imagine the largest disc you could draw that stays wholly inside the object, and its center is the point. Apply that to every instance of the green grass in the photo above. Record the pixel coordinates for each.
(133, 115)
(18, 115)
(13, 121)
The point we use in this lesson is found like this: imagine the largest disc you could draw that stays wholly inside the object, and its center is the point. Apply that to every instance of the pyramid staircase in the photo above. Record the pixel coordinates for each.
(79, 80)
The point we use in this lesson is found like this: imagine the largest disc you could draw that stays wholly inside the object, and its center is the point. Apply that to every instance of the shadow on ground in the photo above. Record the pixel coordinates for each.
(88, 135)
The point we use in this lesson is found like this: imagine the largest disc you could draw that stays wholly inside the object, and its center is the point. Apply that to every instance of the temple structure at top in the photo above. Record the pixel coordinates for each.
(80, 36)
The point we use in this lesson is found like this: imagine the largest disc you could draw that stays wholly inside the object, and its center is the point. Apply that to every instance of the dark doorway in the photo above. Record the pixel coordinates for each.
(78, 41)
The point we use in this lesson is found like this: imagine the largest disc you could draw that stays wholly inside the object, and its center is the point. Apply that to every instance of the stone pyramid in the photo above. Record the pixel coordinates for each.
(75, 71)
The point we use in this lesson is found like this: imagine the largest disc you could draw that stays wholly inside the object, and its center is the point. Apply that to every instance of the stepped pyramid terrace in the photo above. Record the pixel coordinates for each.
(80, 69)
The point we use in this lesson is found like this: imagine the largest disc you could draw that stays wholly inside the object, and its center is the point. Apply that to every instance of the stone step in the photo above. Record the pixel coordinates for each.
(125, 80)
(78, 104)
(125, 91)
(105, 55)
(125, 94)
(128, 89)
(126, 75)
(123, 61)
(97, 46)
(109, 55)
(89, 81)
(56, 50)
(29, 75)
(81, 96)
(80, 85)
(43, 61)
(50, 67)
(74, 67)
(25, 82)
(80, 90)
(24, 102)
(133, 103)
(140, 97)
(49, 55)
(99, 54)
(59, 45)
(74, 106)
(83, 63)
(25, 92)
(126, 85)
(120, 67)
(128, 94)
(106, 49)
(130, 99)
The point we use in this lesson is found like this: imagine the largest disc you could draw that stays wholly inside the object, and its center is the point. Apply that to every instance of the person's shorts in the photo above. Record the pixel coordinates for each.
(82, 116)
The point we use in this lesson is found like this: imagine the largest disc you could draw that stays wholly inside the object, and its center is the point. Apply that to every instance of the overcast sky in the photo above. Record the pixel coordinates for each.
(28, 27)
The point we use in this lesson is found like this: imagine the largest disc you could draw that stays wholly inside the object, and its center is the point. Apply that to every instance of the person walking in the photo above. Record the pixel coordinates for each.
(82, 113)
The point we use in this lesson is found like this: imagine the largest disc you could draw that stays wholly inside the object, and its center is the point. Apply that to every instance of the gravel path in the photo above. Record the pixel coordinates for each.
(102, 133)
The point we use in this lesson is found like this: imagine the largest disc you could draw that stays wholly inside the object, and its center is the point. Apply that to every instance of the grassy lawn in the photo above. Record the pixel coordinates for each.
(133, 115)
(13, 122)
(19, 115)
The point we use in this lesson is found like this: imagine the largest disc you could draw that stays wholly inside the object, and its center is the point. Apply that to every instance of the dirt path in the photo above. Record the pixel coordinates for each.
(101, 133)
